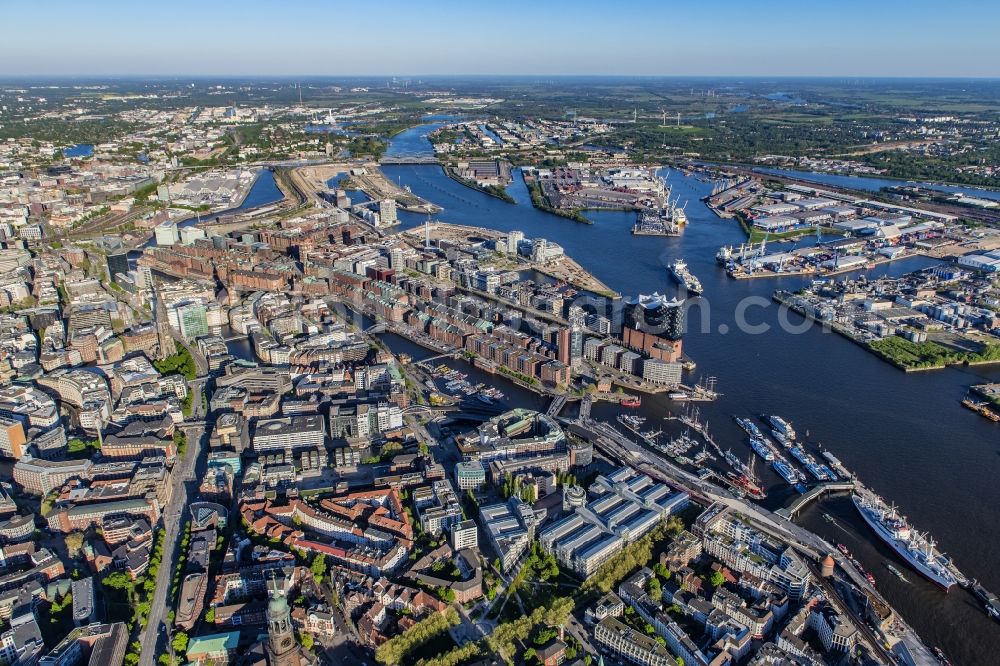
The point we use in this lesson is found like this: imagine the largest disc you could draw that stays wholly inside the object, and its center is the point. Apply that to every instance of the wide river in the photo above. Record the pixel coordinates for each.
(905, 435)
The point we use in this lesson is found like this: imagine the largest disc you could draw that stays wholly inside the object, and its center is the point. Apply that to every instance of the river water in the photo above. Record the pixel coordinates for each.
(870, 184)
(906, 435)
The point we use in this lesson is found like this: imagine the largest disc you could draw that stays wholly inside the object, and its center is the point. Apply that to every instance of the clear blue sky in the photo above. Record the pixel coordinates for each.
(647, 37)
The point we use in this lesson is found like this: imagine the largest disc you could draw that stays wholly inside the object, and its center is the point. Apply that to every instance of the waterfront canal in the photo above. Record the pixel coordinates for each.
(905, 435)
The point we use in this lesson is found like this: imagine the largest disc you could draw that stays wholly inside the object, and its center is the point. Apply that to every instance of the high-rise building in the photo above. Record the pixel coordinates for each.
(193, 320)
(575, 345)
(117, 264)
(144, 277)
(465, 535)
(513, 239)
(564, 339)
(387, 212)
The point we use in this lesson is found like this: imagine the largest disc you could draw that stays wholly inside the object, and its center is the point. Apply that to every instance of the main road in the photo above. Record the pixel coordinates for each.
(183, 472)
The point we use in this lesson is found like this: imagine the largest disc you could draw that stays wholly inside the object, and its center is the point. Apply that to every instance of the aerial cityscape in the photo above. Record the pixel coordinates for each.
(397, 353)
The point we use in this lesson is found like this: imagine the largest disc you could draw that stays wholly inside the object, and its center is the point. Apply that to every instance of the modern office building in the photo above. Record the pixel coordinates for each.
(166, 234)
(470, 475)
(193, 320)
(117, 265)
(289, 433)
(511, 528)
(465, 535)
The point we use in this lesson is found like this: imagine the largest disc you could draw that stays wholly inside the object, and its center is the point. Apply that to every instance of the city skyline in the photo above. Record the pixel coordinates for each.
(886, 39)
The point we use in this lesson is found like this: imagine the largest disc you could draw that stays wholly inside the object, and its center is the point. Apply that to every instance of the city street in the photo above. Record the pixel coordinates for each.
(182, 475)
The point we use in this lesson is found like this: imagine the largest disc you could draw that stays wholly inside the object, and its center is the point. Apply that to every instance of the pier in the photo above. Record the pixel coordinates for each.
(815, 492)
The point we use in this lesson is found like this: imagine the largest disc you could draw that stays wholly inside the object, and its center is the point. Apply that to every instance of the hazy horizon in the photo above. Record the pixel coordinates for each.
(728, 39)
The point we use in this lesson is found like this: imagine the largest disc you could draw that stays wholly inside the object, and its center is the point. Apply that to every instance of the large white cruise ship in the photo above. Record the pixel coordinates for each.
(917, 549)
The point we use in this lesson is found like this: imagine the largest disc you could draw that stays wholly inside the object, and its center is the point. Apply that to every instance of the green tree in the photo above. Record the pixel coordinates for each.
(717, 579)
(74, 543)
(179, 642)
(318, 566)
(654, 589)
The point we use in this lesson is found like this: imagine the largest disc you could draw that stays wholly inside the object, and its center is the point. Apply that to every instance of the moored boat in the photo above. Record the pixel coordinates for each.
(918, 550)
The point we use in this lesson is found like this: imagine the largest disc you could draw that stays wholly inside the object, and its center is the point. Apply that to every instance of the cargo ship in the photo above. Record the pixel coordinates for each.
(917, 549)
(982, 409)
(682, 274)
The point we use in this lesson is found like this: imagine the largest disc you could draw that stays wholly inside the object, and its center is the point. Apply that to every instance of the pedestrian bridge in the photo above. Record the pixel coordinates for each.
(815, 492)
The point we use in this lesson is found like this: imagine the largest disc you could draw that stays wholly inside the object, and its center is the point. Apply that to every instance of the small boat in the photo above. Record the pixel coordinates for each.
(896, 572)
(940, 655)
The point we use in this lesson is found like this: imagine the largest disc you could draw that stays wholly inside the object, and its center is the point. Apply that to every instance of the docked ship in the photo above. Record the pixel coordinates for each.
(917, 549)
(990, 601)
(737, 464)
(631, 401)
(981, 408)
(760, 448)
(750, 427)
(781, 437)
(682, 274)
(678, 216)
(785, 472)
(749, 485)
(782, 426)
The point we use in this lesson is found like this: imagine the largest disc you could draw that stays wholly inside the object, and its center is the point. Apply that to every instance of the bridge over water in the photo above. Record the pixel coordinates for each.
(409, 159)
(814, 493)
